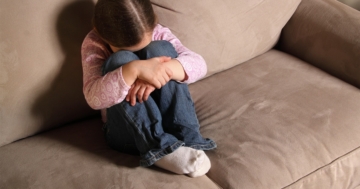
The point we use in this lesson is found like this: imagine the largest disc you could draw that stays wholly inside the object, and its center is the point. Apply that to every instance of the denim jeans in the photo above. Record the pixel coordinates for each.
(158, 126)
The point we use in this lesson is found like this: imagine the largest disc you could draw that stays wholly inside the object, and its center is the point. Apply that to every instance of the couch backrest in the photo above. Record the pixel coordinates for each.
(40, 65)
(40, 40)
(228, 32)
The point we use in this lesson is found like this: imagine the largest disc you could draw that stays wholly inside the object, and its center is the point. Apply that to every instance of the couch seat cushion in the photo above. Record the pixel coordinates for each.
(280, 122)
(76, 156)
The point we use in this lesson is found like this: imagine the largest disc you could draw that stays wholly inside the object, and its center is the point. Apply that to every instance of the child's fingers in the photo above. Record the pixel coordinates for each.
(127, 98)
(165, 79)
(164, 58)
(140, 93)
(169, 72)
(133, 94)
(147, 92)
(157, 84)
(133, 101)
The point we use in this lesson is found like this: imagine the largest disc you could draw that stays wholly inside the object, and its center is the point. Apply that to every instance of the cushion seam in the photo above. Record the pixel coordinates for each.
(336, 160)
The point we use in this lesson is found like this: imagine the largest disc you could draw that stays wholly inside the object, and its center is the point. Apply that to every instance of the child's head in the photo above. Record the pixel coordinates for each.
(124, 23)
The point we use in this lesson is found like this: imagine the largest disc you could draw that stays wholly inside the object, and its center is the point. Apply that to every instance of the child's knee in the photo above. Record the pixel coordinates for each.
(117, 60)
(158, 48)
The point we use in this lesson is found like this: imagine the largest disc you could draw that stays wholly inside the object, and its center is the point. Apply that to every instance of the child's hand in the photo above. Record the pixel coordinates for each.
(140, 90)
(154, 71)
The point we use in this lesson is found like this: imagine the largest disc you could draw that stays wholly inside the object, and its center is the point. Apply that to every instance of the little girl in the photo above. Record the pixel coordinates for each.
(137, 71)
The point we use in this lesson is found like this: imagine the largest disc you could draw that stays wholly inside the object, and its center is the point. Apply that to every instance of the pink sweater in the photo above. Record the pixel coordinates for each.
(102, 92)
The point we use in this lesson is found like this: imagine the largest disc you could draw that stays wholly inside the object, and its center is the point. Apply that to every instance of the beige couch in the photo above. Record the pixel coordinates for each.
(281, 97)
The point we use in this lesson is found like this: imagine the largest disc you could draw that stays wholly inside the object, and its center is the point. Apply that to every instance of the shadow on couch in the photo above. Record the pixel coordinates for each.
(64, 101)
(82, 132)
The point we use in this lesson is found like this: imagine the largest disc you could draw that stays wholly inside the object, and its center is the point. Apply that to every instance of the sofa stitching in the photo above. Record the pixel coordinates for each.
(335, 161)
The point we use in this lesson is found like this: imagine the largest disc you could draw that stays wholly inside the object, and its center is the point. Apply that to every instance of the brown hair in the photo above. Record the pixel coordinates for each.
(123, 23)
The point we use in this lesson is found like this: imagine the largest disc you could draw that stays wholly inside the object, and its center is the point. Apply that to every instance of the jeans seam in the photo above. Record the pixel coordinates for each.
(135, 124)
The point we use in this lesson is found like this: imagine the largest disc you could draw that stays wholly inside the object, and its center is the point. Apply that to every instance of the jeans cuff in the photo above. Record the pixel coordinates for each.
(155, 157)
(209, 146)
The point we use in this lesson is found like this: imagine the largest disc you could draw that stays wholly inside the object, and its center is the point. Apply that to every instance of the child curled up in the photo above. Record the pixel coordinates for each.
(136, 72)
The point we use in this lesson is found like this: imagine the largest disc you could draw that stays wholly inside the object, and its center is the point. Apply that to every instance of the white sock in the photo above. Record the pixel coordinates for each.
(186, 160)
(203, 169)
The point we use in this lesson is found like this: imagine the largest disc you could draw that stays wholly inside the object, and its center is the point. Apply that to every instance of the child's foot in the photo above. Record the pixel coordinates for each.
(203, 169)
(186, 160)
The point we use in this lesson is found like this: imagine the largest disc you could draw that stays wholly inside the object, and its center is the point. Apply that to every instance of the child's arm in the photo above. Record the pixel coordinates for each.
(188, 67)
(140, 90)
(177, 69)
(145, 75)
(192, 63)
(105, 91)
(154, 71)
(100, 91)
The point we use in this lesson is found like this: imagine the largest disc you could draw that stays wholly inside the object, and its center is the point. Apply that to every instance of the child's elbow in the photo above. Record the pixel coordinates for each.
(204, 68)
(93, 103)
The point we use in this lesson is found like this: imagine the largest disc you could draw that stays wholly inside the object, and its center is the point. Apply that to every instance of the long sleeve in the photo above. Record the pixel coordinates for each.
(100, 91)
(193, 64)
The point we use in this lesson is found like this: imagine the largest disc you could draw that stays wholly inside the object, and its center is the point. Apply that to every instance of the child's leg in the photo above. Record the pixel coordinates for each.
(116, 133)
(156, 49)
(179, 117)
(117, 60)
(139, 129)
(175, 103)
(136, 128)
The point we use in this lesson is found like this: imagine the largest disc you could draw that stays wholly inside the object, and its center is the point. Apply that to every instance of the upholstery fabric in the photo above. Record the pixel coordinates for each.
(226, 33)
(277, 120)
(325, 33)
(40, 58)
(76, 156)
(40, 65)
(342, 173)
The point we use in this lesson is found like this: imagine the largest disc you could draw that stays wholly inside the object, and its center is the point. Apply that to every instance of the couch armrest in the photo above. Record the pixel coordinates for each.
(325, 33)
